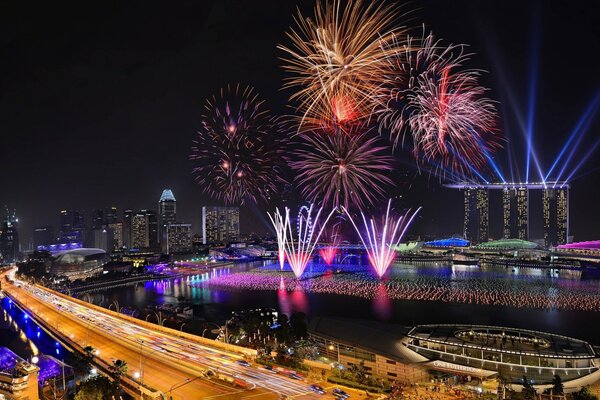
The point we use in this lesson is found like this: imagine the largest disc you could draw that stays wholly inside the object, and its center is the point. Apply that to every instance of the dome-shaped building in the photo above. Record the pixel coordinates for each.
(79, 263)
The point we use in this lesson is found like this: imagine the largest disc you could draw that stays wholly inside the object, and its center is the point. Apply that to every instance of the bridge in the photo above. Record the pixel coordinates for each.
(163, 362)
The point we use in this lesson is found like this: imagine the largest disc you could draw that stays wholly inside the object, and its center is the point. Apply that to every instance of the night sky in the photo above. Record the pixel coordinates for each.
(100, 101)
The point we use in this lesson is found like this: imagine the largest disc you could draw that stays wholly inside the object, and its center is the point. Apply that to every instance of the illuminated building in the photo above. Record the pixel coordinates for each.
(493, 351)
(178, 238)
(72, 226)
(101, 238)
(144, 230)
(476, 214)
(220, 224)
(43, 236)
(18, 378)
(117, 230)
(515, 204)
(9, 238)
(127, 220)
(555, 203)
(167, 211)
(80, 263)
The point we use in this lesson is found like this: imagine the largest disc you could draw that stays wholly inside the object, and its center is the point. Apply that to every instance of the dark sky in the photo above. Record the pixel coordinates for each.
(99, 101)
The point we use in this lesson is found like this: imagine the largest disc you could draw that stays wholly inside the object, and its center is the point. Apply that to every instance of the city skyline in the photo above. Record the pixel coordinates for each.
(133, 167)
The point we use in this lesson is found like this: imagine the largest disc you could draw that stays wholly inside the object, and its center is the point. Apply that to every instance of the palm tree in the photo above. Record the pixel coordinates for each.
(118, 369)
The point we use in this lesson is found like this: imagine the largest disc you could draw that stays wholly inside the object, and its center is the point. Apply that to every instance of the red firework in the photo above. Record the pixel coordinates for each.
(239, 148)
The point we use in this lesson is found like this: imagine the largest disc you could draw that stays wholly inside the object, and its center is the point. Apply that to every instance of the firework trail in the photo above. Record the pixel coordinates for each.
(299, 249)
(336, 58)
(342, 170)
(379, 241)
(238, 150)
(442, 105)
(280, 224)
(329, 252)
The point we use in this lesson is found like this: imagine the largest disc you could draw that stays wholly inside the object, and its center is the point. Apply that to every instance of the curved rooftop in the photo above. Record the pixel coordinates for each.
(589, 245)
(505, 340)
(167, 195)
(85, 251)
(516, 244)
(449, 242)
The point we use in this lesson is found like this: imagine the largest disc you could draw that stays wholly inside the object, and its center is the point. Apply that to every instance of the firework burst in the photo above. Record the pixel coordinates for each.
(348, 170)
(299, 248)
(336, 58)
(238, 150)
(442, 105)
(380, 241)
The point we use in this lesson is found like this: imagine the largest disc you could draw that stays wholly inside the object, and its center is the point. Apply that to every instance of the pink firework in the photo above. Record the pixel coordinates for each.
(238, 152)
(441, 104)
(380, 241)
(342, 170)
(299, 248)
(328, 252)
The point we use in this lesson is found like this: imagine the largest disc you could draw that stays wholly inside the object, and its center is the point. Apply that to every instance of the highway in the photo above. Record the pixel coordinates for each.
(165, 362)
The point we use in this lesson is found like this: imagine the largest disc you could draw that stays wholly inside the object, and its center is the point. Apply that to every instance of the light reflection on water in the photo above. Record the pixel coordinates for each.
(216, 304)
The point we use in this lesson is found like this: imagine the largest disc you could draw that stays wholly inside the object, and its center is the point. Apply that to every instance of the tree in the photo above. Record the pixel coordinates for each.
(557, 385)
(359, 372)
(95, 388)
(118, 369)
(584, 394)
(299, 325)
(528, 390)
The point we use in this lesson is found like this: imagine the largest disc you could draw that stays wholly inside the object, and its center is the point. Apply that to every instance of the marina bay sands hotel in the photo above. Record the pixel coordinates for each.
(515, 205)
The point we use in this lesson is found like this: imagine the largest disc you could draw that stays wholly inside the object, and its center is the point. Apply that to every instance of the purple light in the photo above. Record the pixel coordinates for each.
(589, 245)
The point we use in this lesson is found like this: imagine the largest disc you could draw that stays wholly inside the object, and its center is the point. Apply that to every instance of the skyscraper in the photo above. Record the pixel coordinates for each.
(43, 236)
(72, 226)
(9, 238)
(127, 228)
(117, 230)
(144, 230)
(555, 207)
(220, 224)
(515, 204)
(179, 238)
(476, 218)
(110, 215)
(97, 219)
(166, 215)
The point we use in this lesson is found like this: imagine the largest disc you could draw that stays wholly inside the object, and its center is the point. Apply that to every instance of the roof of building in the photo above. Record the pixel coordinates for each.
(517, 244)
(524, 341)
(86, 251)
(377, 337)
(167, 195)
(589, 245)
(449, 242)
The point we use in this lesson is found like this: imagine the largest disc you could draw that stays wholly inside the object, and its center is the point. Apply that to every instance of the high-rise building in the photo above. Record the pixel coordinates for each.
(144, 230)
(97, 219)
(179, 238)
(555, 209)
(167, 211)
(127, 228)
(117, 230)
(476, 219)
(9, 238)
(220, 224)
(515, 204)
(43, 236)
(110, 215)
(101, 238)
(72, 226)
